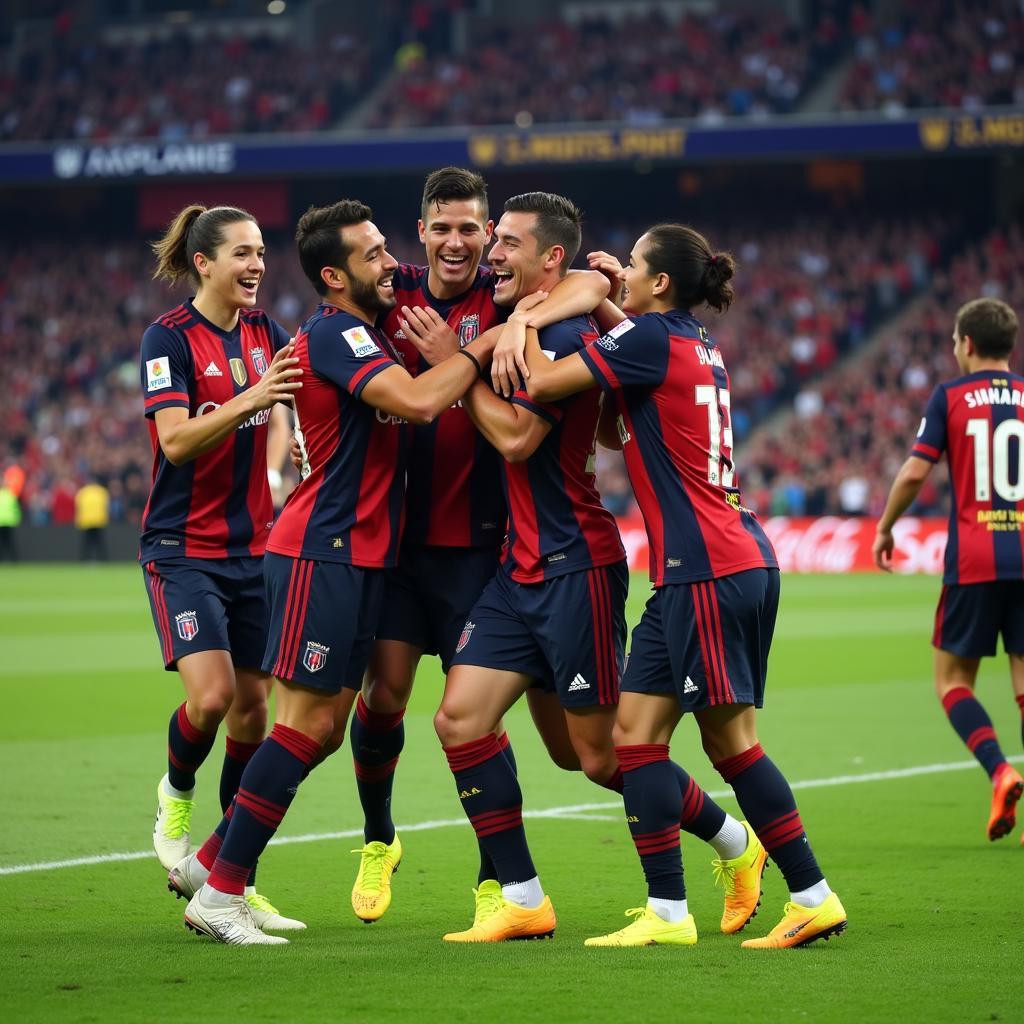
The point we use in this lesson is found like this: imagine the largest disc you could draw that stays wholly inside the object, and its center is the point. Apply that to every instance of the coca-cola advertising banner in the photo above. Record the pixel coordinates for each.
(833, 544)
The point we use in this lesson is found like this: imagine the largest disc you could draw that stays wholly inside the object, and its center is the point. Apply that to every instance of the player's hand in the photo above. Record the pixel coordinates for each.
(295, 453)
(527, 303)
(426, 329)
(882, 550)
(279, 383)
(508, 363)
(605, 263)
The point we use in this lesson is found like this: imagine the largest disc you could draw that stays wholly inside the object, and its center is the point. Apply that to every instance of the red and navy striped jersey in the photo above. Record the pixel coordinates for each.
(453, 492)
(349, 506)
(977, 421)
(217, 505)
(557, 523)
(672, 396)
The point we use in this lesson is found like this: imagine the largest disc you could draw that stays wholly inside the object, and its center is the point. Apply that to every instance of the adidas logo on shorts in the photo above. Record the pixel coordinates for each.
(579, 683)
(689, 686)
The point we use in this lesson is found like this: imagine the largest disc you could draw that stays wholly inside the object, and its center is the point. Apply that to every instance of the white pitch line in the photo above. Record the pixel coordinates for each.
(576, 812)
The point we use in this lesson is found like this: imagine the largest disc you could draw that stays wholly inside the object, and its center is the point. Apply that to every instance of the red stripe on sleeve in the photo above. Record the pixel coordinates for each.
(171, 396)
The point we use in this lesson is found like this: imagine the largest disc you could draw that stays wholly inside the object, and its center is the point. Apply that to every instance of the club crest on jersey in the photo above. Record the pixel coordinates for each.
(315, 656)
(238, 371)
(467, 632)
(469, 329)
(158, 373)
(188, 625)
(360, 341)
(259, 360)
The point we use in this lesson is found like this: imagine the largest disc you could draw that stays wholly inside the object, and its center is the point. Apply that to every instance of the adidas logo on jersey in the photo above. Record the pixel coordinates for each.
(213, 370)
(579, 683)
(689, 686)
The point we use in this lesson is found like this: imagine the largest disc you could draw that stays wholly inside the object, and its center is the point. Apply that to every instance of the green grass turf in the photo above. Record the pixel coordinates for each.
(935, 909)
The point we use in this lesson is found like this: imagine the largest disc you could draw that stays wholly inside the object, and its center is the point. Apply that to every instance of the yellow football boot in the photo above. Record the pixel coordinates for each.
(508, 922)
(649, 930)
(741, 877)
(371, 894)
(802, 925)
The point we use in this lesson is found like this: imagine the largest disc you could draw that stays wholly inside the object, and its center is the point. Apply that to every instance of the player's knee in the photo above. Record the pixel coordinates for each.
(598, 765)
(211, 707)
(387, 696)
(334, 741)
(567, 760)
(455, 726)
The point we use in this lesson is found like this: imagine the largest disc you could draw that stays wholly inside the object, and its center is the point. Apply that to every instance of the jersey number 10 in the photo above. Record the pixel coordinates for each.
(994, 449)
(720, 467)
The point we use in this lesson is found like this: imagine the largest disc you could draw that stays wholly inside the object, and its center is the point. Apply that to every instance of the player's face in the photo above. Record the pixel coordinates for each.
(236, 267)
(370, 268)
(454, 234)
(517, 265)
(636, 276)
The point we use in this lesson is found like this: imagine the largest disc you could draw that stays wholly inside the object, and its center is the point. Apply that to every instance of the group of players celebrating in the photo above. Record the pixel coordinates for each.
(446, 418)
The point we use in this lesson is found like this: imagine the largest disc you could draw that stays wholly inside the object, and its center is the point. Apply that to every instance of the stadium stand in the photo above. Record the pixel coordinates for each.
(639, 68)
(937, 54)
(839, 450)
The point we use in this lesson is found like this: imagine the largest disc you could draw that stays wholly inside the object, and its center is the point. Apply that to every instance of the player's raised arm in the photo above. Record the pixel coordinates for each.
(577, 293)
(421, 399)
(183, 438)
(550, 381)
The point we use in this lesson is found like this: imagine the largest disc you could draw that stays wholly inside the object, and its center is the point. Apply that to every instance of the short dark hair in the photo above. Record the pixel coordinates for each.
(699, 275)
(318, 236)
(452, 183)
(990, 324)
(558, 221)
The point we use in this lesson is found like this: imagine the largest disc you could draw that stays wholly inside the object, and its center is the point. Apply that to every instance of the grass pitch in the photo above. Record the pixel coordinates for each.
(894, 813)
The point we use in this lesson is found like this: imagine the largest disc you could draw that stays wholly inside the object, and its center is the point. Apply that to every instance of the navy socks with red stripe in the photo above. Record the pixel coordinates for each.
(377, 741)
(493, 802)
(187, 749)
(236, 756)
(974, 727)
(267, 789)
(651, 795)
(768, 805)
(487, 869)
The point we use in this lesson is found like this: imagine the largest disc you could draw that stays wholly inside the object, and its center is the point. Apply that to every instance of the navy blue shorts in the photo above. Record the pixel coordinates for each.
(706, 642)
(429, 596)
(971, 616)
(322, 619)
(567, 633)
(209, 604)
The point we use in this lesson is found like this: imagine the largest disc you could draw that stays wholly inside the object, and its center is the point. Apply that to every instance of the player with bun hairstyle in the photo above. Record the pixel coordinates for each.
(211, 369)
(702, 644)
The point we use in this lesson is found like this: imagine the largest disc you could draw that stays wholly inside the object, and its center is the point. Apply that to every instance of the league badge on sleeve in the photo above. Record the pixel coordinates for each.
(315, 656)
(361, 342)
(158, 373)
(188, 625)
(619, 329)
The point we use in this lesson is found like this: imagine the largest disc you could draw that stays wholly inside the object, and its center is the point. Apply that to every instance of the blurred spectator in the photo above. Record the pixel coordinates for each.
(640, 68)
(10, 520)
(174, 88)
(848, 444)
(92, 517)
(938, 53)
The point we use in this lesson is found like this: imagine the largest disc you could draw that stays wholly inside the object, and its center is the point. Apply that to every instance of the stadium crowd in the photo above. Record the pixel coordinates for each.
(640, 68)
(848, 435)
(172, 88)
(937, 54)
(808, 294)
